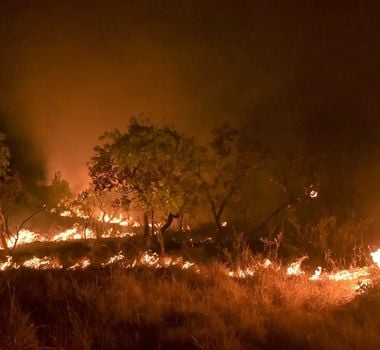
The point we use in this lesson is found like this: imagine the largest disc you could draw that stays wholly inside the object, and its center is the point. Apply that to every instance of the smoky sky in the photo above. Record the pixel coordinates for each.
(71, 70)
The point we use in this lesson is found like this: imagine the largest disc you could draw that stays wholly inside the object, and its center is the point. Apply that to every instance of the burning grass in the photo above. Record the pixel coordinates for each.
(135, 306)
(86, 294)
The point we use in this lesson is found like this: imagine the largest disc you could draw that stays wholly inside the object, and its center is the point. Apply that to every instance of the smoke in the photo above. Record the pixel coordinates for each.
(73, 70)
(26, 158)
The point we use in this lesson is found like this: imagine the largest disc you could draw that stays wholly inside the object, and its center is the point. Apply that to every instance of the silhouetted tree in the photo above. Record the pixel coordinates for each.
(226, 162)
(153, 167)
(13, 201)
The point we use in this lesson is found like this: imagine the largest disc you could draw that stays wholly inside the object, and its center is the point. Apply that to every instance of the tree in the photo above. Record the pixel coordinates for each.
(97, 209)
(13, 200)
(4, 158)
(4, 169)
(226, 162)
(153, 167)
(58, 194)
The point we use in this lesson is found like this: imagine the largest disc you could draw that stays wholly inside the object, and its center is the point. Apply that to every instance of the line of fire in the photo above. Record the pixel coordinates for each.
(198, 175)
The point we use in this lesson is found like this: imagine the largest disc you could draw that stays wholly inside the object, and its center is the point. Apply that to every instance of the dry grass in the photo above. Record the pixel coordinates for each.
(170, 309)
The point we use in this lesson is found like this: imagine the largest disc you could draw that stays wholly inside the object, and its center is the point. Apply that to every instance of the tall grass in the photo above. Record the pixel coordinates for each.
(112, 308)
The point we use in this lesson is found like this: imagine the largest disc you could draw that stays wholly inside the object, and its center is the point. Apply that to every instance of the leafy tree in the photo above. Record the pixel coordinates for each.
(97, 209)
(226, 162)
(153, 167)
(13, 201)
(296, 175)
(4, 158)
(58, 193)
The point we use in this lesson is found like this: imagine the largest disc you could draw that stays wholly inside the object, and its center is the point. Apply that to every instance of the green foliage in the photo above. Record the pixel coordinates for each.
(154, 167)
(226, 162)
(58, 192)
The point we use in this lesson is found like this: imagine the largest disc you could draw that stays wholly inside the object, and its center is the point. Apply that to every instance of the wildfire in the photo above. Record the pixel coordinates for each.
(102, 217)
(239, 273)
(45, 263)
(25, 236)
(358, 278)
(114, 259)
(294, 269)
(70, 234)
(81, 264)
(349, 275)
(313, 194)
(150, 259)
(317, 274)
(8, 264)
(376, 257)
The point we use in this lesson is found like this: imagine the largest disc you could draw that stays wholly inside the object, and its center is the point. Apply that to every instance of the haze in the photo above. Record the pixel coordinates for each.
(71, 70)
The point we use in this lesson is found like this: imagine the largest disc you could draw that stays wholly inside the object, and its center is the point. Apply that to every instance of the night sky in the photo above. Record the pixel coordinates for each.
(71, 69)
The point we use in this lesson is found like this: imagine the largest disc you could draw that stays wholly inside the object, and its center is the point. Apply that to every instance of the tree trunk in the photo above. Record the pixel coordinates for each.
(152, 222)
(218, 224)
(4, 243)
(164, 228)
(146, 224)
(3, 232)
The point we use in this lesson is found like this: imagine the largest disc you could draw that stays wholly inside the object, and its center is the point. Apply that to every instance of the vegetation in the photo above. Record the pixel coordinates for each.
(187, 199)
(171, 309)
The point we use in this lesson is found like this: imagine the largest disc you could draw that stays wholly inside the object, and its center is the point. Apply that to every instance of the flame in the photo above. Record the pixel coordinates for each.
(376, 257)
(74, 213)
(102, 217)
(294, 269)
(153, 260)
(239, 273)
(9, 264)
(349, 275)
(266, 263)
(44, 263)
(70, 234)
(113, 259)
(317, 274)
(355, 278)
(25, 236)
(313, 194)
(74, 233)
(81, 264)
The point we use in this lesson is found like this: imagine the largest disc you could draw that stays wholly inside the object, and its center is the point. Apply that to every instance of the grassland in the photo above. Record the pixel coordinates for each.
(170, 308)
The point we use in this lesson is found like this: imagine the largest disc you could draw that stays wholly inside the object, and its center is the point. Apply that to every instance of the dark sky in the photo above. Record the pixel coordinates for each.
(72, 69)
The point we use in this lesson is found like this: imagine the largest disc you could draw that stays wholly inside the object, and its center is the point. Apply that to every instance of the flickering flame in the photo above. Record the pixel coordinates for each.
(114, 259)
(45, 263)
(266, 264)
(376, 257)
(349, 275)
(8, 264)
(71, 234)
(102, 217)
(153, 260)
(74, 233)
(294, 269)
(313, 194)
(317, 274)
(74, 213)
(239, 273)
(357, 278)
(25, 236)
(81, 264)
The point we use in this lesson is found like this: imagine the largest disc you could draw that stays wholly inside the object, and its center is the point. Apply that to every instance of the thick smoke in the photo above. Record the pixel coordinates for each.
(26, 158)
(71, 70)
